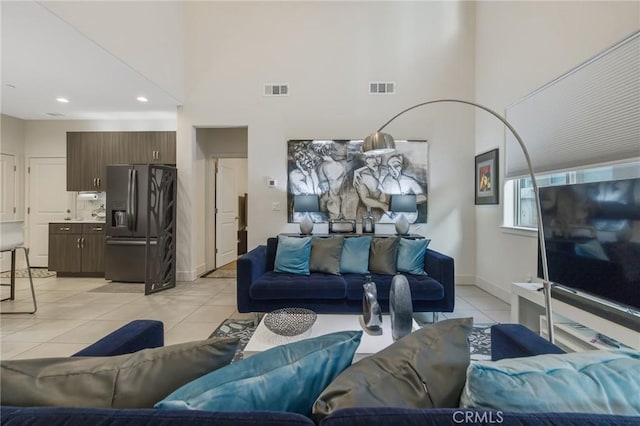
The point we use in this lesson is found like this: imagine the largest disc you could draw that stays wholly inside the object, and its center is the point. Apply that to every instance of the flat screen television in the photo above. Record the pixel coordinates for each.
(592, 238)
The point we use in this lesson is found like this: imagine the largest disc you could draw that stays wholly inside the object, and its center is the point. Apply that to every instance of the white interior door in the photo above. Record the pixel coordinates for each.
(7, 199)
(48, 201)
(226, 212)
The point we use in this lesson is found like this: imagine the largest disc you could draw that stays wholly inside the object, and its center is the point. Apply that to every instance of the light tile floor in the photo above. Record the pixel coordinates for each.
(70, 317)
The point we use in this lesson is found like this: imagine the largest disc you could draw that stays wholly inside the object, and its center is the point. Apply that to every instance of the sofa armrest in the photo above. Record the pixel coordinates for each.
(516, 341)
(131, 337)
(250, 267)
(440, 267)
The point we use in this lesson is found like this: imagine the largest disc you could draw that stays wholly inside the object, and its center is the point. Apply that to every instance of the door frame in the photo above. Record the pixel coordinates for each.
(210, 206)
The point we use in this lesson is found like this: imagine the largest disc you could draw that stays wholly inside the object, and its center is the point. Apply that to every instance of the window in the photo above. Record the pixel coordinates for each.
(523, 209)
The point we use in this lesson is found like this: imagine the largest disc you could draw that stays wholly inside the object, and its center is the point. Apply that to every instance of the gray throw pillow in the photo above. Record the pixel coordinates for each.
(136, 380)
(426, 369)
(325, 254)
(382, 255)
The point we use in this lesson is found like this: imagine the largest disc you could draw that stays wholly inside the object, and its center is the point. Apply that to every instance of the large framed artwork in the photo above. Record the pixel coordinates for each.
(487, 186)
(350, 182)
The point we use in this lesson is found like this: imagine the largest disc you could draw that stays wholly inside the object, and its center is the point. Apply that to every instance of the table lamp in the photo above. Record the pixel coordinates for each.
(405, 203)
(308, 203)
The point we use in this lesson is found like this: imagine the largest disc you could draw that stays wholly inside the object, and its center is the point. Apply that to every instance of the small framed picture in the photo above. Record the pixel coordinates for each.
(487, 178)
(342, 226)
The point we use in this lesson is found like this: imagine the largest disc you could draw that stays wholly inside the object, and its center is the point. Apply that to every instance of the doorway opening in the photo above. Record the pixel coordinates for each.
(225, 151)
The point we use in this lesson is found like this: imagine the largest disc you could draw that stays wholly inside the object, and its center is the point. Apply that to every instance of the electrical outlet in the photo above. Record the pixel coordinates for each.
(275, 206)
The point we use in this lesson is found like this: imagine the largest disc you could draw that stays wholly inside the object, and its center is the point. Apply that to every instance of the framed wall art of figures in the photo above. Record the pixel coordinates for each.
(349, 182)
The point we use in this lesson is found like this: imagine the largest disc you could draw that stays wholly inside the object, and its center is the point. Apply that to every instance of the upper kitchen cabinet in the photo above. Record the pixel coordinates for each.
(152, 147)
(88, 154)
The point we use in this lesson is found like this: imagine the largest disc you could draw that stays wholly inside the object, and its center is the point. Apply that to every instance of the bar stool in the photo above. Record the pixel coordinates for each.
(12, 239)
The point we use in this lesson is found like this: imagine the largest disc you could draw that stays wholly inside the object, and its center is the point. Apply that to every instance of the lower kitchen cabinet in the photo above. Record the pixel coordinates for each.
(76, 249)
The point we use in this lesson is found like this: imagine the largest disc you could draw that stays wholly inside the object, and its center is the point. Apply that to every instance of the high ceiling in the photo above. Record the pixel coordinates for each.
(44, 58)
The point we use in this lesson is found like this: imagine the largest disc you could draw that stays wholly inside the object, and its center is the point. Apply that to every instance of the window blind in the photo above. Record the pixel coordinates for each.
(588, 116)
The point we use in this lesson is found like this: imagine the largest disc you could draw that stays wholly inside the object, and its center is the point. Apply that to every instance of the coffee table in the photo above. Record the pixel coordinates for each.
(264, 339)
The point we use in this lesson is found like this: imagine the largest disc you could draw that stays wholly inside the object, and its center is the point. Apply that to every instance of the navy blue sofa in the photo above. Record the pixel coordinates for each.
(260, 289)
(511, 340)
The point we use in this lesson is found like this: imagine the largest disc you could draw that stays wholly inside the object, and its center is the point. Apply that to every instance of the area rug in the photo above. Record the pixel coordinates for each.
(222, 273)
(35, 273)
(479, 340)
(119, 288)
(226, 271)
(242, 329)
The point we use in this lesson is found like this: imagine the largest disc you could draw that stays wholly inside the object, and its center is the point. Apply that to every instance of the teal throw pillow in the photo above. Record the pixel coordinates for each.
(292, 255)
(355, 255)
(286, 378)
(411, 256)
(603, 382)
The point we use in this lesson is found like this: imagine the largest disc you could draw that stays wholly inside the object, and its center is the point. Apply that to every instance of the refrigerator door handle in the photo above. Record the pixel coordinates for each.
(134, 199)
(129, 219)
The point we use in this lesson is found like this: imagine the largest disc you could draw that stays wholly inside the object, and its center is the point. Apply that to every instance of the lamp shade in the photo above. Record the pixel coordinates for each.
(306, 203)
(379, 143)
(403, 203)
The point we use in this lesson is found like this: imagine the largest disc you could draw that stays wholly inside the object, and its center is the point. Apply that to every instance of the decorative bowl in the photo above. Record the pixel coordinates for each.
(290, 321)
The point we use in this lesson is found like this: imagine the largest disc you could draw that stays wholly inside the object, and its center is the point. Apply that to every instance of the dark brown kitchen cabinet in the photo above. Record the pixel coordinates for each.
(89, 153)
(152, 147)
(76, 249)
(64, 247)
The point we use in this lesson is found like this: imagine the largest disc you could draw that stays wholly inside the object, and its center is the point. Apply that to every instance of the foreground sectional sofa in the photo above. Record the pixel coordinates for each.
(508, 340)
(261, 288)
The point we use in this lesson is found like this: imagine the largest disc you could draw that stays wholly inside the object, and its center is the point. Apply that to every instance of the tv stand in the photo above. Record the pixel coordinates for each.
(591, 332)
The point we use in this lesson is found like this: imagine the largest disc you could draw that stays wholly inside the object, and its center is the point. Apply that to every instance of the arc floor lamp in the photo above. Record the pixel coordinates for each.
(381, 143)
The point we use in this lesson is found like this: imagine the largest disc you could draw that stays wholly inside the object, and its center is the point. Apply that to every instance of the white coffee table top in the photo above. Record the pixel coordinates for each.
(264, 339)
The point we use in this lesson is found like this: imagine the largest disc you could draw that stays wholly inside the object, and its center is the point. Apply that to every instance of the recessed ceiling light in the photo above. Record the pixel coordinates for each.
(63, 100)
(142, 99)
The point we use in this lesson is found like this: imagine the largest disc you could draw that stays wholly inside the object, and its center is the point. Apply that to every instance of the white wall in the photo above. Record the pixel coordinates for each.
(228, 142)
(328, 52)
(146, 35)
(519, 47)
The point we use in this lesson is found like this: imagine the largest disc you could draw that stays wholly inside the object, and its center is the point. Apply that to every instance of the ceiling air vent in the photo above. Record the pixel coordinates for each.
(273, 89)
(54, 114)
(382, 88)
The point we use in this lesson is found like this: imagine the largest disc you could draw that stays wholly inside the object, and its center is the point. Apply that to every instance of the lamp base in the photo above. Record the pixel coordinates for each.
(402, 225)
(306, 226)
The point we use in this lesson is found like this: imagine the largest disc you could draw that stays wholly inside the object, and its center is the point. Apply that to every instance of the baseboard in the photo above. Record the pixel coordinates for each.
(186, 275)
(191, 275)
(201, 269)
(465, 280)
(494, 289)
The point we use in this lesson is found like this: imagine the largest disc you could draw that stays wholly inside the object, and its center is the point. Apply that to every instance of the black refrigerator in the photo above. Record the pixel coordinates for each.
(126, 223)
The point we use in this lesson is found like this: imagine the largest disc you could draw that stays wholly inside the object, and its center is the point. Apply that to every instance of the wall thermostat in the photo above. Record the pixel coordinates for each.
(271, 182)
